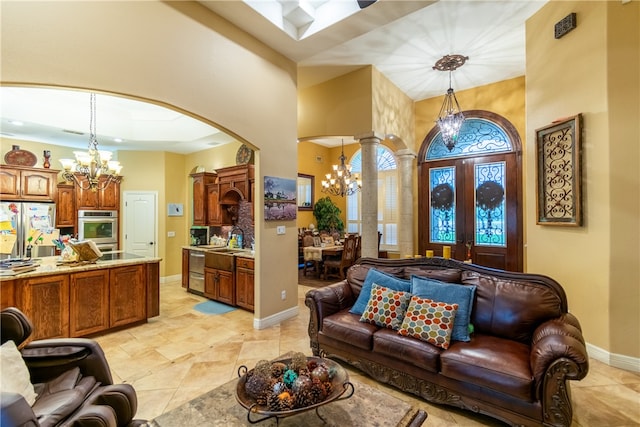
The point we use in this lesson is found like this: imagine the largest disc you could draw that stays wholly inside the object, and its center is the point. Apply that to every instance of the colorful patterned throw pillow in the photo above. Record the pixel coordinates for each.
(386, 307)
(429, 321)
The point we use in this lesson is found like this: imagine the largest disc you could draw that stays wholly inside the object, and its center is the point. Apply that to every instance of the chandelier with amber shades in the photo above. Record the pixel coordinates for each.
(341, 182)
(95, 166)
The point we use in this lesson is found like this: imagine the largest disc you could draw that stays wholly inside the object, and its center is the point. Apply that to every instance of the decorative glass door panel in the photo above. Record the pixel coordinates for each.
(442, 205)
(490, 220)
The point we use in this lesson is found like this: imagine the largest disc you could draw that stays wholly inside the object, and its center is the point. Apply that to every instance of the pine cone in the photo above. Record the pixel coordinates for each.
(286, 403)
(277, 369)
(298, 361)
(273, 402)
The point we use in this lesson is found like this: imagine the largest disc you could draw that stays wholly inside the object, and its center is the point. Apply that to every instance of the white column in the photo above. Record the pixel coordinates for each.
(405, 202)
(369, 196)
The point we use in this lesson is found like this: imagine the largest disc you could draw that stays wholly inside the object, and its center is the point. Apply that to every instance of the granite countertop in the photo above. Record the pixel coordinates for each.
(52, 265)
(245, 253)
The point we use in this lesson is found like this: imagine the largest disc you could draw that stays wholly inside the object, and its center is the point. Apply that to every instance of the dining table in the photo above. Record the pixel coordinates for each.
(317, 254)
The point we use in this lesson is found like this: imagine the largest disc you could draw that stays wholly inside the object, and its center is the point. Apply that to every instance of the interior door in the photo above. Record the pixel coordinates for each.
(140, 223)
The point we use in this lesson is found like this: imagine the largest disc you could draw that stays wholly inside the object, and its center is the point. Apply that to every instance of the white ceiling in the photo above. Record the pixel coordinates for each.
(402, 39)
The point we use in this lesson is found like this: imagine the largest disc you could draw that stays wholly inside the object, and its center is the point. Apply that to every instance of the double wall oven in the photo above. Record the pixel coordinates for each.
(99, 226)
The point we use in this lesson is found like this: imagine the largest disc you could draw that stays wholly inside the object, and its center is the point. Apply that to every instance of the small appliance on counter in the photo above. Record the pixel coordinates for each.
(199, 236)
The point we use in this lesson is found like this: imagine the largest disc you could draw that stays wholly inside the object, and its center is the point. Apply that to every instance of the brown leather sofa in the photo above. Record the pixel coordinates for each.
(72, 380)
(525, 346)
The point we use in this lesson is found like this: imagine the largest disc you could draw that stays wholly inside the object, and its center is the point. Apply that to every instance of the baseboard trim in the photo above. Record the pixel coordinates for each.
(612, 359)
(174, 278)
(275, 319)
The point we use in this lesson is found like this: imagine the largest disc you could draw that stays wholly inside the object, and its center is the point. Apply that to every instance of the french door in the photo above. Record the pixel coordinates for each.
(472, 202)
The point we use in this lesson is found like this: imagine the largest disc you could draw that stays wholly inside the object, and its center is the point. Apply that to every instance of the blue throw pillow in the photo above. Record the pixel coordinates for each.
(379, 278)
(450, 293)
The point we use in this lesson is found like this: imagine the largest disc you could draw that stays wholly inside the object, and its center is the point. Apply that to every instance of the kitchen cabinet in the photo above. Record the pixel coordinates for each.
(89, 309)
(66, 206)
(237, 177)
(218, 285)
(185, 268)
(244, 283)
(200, 182)
(105, 198)
(214, 210)
(28, 184)
(127, 295)
(80, 303)
(45, 301)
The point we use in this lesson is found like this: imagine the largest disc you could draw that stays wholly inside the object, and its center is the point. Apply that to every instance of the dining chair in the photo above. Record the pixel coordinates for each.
(307, 240)
(337, 267)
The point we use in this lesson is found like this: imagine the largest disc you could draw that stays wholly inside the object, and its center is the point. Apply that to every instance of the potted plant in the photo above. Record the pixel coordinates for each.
(327, 215)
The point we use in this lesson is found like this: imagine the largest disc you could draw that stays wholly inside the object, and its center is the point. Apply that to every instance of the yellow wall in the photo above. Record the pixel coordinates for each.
(183, 56)
(341, 106)
(392, 110)
(592, 70)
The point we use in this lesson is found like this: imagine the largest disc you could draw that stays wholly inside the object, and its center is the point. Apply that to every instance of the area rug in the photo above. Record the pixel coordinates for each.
(213, 307)
(368, 407)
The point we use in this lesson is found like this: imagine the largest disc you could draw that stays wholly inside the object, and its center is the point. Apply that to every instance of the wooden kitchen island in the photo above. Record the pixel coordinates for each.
(81, 300)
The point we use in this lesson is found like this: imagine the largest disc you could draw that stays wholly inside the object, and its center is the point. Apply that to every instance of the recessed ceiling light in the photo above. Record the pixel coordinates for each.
(117, 139)
(16, 122)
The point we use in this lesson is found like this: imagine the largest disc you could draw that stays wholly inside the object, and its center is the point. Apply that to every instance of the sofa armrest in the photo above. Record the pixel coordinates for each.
(15, 411)
(558, 354)
(323, 302)
(49, 358)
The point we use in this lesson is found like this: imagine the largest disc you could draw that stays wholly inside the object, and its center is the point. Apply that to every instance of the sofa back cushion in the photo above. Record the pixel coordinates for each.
(379, 278)
(510, 308)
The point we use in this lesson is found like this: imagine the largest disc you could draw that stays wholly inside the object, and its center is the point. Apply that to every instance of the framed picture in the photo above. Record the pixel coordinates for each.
(559, 180)
(175, 209)
(279, 199)
(306, 195)
(317, 241)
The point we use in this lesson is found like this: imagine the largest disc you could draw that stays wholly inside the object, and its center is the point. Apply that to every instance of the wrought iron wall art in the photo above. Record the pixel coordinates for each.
(559, 182)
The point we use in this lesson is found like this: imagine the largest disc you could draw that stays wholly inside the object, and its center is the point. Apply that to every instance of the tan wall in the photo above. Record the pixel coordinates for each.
(341, 106)
(392, 110)
(183, 56)
(587, 72)
(623, 69)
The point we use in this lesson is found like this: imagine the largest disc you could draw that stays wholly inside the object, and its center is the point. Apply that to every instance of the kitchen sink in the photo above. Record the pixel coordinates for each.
(221, 259)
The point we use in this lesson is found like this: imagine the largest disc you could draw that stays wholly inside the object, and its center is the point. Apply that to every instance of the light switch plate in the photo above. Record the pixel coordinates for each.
(280, 229)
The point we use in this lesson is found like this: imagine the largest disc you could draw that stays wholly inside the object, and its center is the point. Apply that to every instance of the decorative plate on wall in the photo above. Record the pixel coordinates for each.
(18, 157)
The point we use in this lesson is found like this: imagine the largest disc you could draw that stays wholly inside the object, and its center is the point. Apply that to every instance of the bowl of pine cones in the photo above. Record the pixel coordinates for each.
(288, 386)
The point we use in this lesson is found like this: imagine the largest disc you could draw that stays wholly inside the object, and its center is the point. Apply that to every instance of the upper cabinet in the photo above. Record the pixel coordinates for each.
(200, 182)
(216, 196)
(107, 198)
(28, 184)
(66, 206)
(237, 179)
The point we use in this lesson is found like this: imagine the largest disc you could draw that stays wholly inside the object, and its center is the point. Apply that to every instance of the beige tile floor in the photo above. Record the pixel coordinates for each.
(183, 353)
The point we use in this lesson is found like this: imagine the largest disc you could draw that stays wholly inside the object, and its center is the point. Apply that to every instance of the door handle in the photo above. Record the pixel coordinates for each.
(151, 243)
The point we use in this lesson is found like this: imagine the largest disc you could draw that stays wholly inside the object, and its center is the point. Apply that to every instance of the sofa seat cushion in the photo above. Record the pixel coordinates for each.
(347, 327)
(487, 361)
(406, 349)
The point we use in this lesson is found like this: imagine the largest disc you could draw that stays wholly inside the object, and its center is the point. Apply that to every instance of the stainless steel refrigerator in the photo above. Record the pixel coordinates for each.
(19, 221)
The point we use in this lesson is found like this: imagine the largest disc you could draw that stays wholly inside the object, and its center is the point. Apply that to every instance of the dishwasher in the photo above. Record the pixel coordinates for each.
(196, 272)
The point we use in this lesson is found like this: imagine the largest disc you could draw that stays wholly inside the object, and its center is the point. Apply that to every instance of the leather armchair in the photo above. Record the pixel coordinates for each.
(72, 379)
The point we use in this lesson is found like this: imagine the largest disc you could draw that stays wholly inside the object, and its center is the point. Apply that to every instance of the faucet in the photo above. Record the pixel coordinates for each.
(235, 227)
